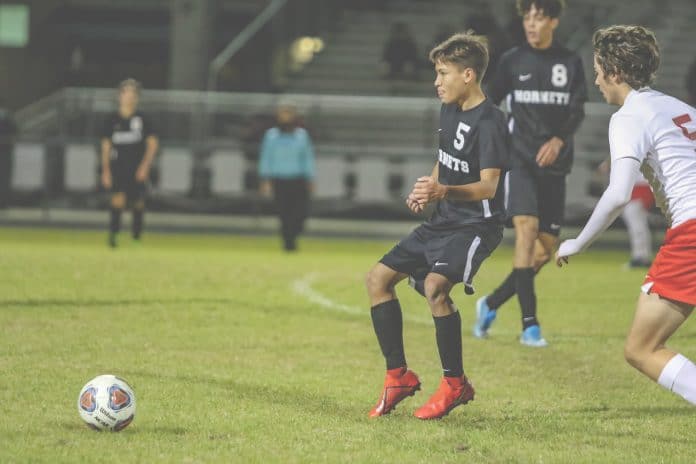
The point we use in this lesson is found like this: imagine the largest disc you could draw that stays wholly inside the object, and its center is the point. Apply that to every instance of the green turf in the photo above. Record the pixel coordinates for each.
(231, 364)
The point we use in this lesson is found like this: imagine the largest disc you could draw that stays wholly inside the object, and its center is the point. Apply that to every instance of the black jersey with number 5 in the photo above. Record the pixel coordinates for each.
(547, 91)
(470, 140)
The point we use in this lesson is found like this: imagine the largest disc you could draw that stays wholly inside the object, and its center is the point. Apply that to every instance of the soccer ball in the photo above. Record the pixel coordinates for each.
(107, 403)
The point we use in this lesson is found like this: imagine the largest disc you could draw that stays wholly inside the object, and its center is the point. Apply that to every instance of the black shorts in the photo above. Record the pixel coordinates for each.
(540, 196)
(455, 254)
(125, 182)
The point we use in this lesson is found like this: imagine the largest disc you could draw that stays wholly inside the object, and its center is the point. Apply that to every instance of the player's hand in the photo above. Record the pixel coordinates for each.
(427, 189)
(142, 173)
(548, 153)
(265, 188)
(567, 248)
(106, 180)
(413, 204)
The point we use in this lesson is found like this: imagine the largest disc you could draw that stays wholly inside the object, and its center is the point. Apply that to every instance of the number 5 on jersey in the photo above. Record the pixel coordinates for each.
(459, 138)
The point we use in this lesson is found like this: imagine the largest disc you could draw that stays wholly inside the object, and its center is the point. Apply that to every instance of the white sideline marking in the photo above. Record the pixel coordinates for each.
(303, 287)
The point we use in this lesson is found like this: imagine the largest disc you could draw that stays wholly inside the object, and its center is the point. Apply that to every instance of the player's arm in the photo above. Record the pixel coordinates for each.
(549, 151)
(499, 85)
(428, 189)
(106, 148)
(624, 172)
(492, 148)
(629, 141)
(411, 201)
(151, 148)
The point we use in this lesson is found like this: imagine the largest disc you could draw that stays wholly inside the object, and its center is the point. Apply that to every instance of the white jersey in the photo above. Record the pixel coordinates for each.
(660, 132)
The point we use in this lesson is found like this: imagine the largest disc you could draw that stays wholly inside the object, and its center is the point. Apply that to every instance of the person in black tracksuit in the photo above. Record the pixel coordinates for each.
(544, 84)
(128, 147)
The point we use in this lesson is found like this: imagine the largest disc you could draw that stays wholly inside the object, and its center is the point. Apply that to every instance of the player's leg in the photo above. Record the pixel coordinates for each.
(138, 202)
(544, 248)
(282, 193)
(655, 321)
(521, 201)
(635, 216)
(387, 320)
(118, 203)
(460, 257)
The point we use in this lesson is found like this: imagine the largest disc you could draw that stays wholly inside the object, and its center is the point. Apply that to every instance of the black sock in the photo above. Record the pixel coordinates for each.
(388, 324)
(137, 223)
(448, 332)
(115, 222)
(524, 278)
(503, 293)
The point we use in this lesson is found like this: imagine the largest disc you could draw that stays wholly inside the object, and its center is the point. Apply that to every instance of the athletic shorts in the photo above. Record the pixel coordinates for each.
(124, 181)
(539, 196)
(455, 254)
(673, 272)
(642, 193)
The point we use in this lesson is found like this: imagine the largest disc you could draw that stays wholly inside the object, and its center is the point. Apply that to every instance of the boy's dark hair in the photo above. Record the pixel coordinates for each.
(629, 52)
(130, 82)
(550, 8)
(465, 50)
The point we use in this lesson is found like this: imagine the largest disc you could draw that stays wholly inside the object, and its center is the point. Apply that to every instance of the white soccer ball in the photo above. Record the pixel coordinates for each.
(107, 402)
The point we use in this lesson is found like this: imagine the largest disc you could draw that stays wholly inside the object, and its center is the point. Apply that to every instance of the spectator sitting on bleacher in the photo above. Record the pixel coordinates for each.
(400, 53)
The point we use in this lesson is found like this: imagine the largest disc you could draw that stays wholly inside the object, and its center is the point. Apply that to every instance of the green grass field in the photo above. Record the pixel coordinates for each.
(240, 353)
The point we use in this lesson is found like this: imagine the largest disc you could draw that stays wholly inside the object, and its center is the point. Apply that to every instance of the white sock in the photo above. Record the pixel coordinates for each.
(679, 376)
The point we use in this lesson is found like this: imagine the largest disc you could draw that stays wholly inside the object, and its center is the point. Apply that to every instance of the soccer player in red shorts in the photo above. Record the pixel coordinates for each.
(656, 134)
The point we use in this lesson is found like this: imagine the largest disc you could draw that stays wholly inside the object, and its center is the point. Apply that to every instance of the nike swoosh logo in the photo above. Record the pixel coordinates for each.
(525, 77)
(440, 264)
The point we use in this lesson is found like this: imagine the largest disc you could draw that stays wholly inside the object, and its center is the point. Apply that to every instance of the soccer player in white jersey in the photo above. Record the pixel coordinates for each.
(656, 134)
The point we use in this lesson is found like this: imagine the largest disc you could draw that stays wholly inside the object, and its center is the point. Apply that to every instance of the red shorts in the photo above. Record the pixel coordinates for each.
(643, 193)
(673, 272)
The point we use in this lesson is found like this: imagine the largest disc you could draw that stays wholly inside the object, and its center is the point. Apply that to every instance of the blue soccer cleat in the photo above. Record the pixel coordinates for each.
(531, 336)
(484, 318)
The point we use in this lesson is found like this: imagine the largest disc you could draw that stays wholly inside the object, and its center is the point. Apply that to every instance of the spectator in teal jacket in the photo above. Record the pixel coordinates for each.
(286, 170)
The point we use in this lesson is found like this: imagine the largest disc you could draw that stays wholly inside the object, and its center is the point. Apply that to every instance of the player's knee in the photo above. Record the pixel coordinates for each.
(435, 291)
(139, 205)
(540, 260)
(375, 282)
(634, 353)
(118, 202)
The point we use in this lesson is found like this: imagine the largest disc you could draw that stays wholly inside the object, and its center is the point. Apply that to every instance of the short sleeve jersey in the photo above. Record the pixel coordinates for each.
(470, 141)
(659, 131)
(546, 91)
(127, 136)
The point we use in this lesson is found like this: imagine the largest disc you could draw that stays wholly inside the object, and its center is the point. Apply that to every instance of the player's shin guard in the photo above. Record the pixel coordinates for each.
(448, 332)
(137, 229)
(524, 285)
(679, 376)
(388, 323)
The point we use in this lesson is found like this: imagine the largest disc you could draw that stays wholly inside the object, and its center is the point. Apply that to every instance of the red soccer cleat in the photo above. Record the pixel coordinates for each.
(453, 391)
(399, 384)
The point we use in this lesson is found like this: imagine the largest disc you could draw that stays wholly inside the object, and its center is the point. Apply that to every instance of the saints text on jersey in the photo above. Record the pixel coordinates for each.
(453, 163)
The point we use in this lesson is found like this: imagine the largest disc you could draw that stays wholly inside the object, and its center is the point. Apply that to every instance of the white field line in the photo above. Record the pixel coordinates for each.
(303, 287)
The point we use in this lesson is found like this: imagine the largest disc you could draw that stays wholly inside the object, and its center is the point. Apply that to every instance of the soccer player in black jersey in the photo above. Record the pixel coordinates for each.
(128, 147)
(464, 229)
(545, 85)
